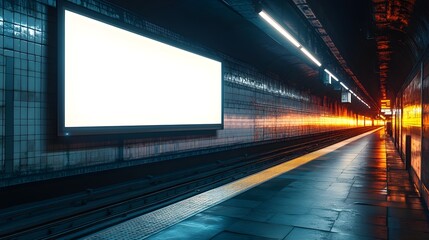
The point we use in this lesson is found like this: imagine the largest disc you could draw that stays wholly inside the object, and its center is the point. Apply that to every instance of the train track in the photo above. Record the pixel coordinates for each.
(74, 216)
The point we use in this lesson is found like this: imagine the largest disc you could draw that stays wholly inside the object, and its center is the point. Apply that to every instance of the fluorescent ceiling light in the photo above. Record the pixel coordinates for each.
(279, 28)
(344, 86)
(311, 57)
(291, 39)
(288, 36)
(332, 75)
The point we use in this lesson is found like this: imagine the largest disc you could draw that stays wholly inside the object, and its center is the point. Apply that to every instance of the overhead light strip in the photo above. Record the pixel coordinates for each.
(279, 28)
(344, 86)
(311, 56)
(332, 75)
(288, 36)
(295, 42)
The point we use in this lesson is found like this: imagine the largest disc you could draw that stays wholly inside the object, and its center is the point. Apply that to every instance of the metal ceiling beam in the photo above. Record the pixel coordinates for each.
(305, 9)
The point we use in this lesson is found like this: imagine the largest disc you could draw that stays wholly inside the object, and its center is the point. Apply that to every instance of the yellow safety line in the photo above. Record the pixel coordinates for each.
(153, 222)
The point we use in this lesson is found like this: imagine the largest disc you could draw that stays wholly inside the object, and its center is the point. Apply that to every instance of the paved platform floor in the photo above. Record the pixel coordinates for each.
(359, 191)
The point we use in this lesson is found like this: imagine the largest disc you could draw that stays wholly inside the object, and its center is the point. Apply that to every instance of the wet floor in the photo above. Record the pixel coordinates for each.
(354, 192)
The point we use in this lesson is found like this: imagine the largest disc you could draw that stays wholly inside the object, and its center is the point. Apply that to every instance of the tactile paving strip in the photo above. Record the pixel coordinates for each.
(148, 224)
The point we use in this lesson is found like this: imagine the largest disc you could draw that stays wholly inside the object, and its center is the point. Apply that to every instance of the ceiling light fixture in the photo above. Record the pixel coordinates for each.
(279, 28)
(295, 42)
(311, 56)
(330, 74)
(288, 36)
(344, 86)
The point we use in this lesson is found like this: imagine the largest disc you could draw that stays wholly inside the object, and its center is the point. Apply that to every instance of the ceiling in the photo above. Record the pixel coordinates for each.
(372, 45)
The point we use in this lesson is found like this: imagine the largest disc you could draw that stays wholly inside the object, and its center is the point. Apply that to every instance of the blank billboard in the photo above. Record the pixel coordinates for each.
(114, 79)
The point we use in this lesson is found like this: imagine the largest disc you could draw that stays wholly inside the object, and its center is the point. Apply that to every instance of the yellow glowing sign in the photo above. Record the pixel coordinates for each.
(385, 107)
(412, 116)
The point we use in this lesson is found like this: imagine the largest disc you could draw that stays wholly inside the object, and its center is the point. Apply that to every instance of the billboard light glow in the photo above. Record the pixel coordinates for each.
(114, 79)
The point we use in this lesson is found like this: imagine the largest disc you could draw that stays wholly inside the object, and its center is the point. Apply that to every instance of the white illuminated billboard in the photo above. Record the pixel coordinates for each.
(117, 78)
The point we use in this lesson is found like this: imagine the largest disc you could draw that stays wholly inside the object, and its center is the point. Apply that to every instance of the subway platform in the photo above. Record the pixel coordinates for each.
(356, 189)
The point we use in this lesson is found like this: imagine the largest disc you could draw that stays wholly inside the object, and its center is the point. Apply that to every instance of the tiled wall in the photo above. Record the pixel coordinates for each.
(23, 76)
(257, 108)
